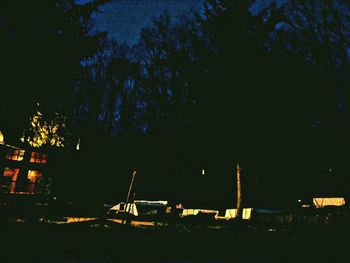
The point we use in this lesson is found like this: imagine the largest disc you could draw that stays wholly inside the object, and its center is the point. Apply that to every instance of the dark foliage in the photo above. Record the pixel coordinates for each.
(42, 45)
(235, 81)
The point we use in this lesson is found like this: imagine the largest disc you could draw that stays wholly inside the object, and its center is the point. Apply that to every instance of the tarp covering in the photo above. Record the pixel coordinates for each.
(229, 213)
(193, 212)
(131, 208)
(232, 213)
(151, 203)
(320, 202)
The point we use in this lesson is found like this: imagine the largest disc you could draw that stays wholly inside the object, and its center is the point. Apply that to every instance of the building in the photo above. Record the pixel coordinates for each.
(24, 170)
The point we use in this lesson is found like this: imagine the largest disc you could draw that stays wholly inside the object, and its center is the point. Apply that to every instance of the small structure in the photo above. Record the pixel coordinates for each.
(194, 212)
(140, 207)
(320, 202)
(232, 213)
(229, 213)
(22, 171)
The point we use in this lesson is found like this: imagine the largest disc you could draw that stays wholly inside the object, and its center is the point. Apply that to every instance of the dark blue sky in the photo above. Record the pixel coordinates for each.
(124, 19)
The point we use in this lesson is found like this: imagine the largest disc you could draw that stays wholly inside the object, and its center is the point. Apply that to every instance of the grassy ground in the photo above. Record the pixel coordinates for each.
(95, 243)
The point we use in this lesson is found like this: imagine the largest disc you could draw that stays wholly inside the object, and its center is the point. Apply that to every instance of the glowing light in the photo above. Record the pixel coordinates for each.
(134, 222)
(15, 155)
(38, 157)
(203, 172)
(332, 201)
(79, 219)
(33, 178)
(78, 145)
(13, 173)
(1, 138)
(45, 131)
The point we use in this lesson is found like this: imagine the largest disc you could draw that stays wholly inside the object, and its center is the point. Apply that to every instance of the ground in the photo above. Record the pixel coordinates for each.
(100, 242)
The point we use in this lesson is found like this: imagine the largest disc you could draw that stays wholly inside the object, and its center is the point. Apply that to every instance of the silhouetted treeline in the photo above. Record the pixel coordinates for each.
(42, 44)
(261, 83)
(235, 66)
(247, 76)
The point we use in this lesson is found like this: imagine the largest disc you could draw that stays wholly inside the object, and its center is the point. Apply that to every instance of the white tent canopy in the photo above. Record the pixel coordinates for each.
(232, 213)
(229, 213)
(320, 202)
(131, 208)
(194, 212)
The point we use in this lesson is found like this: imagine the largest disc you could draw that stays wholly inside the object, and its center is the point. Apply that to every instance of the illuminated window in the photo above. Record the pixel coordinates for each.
(33, 179)
(15, 155)
(38, 157)
(11, 177)
(13, 173)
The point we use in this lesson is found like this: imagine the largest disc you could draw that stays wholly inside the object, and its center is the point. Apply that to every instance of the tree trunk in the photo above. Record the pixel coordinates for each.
(239, 193)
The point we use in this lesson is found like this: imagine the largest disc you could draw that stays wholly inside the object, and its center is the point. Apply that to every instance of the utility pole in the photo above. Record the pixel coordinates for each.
(239, 192)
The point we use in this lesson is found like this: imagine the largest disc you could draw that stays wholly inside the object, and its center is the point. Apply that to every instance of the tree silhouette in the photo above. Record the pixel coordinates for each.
(43, 43)
(168, 59)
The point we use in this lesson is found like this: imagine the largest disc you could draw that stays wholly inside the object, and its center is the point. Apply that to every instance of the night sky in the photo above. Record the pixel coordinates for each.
(124, 19)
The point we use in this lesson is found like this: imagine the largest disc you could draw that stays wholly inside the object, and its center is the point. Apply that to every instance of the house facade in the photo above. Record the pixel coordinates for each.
(24, 171)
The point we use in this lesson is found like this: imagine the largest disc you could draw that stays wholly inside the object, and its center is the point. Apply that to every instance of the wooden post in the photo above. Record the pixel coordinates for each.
(239, 193)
